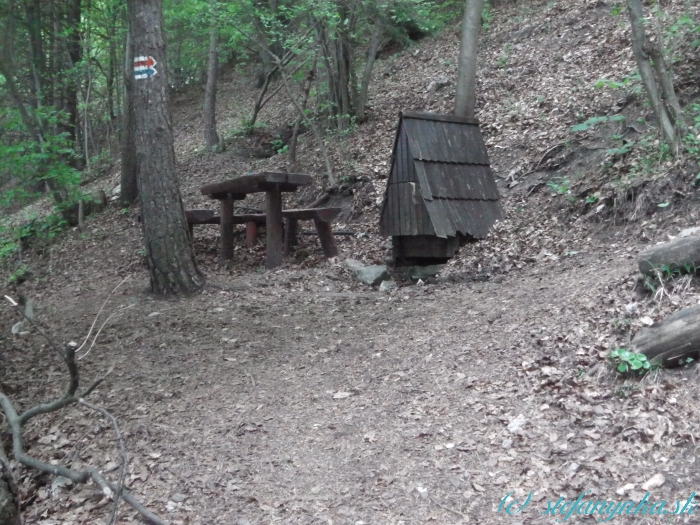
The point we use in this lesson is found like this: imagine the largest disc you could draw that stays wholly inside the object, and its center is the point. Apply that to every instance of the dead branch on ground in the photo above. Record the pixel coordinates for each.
(16, 422)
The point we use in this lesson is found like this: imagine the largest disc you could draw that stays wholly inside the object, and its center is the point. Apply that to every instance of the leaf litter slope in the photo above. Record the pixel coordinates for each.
(300, 397)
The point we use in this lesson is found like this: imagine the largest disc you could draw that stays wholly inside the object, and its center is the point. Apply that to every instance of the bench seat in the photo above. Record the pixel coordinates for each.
(322, 218)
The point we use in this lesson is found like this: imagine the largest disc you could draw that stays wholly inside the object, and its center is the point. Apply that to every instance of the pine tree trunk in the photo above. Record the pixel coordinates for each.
(128, 184)
(211, 137)
(465, 98)
(168, 249)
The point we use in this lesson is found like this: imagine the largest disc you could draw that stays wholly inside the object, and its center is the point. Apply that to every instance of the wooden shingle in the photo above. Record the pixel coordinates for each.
(441, 184)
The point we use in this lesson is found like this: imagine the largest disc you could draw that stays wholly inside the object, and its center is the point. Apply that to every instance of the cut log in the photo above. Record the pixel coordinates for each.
(682, 255)
(671, 342)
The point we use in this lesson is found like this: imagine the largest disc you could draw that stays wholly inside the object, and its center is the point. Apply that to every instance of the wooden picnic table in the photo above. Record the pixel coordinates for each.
(273, 184)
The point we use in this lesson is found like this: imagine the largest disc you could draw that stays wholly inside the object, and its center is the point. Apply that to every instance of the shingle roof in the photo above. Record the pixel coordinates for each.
(447, 157)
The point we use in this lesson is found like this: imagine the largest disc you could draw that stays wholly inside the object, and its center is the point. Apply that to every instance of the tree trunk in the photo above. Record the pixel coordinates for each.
(369, 66)
(300, 117)
(465, 98)
(211, 137)
(168, 248)
(34, 26)
(74, 45)
(639, 44)
(129, 183)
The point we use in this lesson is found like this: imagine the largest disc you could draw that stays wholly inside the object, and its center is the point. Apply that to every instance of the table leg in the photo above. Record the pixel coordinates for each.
(325, 235)
(273, 228)
(251, 234)
(290, 235)
(226, 228)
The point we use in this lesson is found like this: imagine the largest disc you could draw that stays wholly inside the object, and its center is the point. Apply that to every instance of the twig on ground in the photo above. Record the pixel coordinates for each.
(122, 456)
(87, 337)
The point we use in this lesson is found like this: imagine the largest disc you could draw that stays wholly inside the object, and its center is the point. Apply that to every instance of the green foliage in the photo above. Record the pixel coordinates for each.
(19, 275)
(486, 16)
(633, 82)
(691, 140)
(620, 151)
(505, 55)
(588, 124)
(625, 361)
(188, 23)
(560, 187)
(278, 144)
(27, 164)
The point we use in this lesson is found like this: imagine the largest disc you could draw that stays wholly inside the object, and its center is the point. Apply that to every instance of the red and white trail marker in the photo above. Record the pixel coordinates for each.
(144, 67)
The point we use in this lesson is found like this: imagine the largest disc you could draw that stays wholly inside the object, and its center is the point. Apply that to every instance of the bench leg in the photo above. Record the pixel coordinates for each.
(273, 229)
(251, 234)
(226, 229)
(290, 235)
(325, 235)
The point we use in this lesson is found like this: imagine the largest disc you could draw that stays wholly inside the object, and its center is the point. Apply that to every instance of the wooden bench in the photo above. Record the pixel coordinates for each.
(322, 218)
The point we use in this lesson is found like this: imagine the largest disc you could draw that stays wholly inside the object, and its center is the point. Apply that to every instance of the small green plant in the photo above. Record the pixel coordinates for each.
(588, 124)
(630, 81)
(559, 187)
(625, 361)
(486, 16)
(621, 151)
(278, 144)
(19, 275)
(505, 56)
(591, 199)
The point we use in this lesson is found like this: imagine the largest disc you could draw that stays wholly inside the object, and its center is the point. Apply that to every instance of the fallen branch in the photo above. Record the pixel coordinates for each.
(122, 456)
(16, 422)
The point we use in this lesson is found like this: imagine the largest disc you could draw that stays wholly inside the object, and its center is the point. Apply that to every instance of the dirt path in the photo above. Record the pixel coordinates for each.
(298, 397)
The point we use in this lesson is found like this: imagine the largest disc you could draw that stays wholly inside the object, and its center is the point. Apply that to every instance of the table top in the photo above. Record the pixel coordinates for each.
(255, 182)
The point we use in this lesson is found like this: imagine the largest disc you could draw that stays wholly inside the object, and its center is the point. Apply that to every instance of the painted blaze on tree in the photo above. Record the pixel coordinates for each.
(168, 248)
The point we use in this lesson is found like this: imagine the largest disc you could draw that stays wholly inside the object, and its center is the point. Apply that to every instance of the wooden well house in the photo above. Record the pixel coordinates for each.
(441, 192)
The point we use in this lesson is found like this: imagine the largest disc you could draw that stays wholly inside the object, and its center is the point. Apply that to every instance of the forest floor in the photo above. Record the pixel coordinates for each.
(299, 396)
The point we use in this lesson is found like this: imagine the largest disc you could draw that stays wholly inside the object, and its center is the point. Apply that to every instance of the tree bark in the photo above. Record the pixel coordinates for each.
(129, 183)
(465, 97)
(369, 66)
(168, 248)
(673, 340)
(300, 118)
(211, 137)
(74, 46)
(639, 44)
(681, 255)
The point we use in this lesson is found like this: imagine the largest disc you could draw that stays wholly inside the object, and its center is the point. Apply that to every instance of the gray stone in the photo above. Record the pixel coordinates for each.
(689, 231)
(416, 273)
(387, 286)
(178, 498)
(439, 83)
(373, 274)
